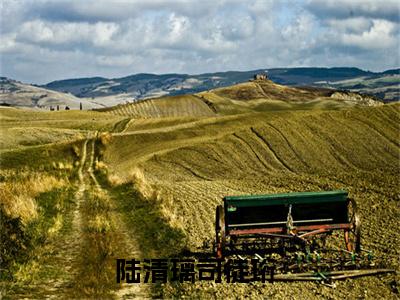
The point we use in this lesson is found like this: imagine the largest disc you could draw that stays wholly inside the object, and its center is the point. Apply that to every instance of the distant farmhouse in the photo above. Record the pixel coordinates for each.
(260, 77)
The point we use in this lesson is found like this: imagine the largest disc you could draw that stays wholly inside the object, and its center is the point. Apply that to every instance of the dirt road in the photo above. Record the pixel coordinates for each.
(80, 261)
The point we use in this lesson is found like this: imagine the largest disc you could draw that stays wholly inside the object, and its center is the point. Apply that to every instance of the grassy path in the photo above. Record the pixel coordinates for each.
(80, 261)
(119, 239)
(104, 237)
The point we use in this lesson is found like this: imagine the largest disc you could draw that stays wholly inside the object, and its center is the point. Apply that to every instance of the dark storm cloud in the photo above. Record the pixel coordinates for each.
(343, 9)
(109, 11)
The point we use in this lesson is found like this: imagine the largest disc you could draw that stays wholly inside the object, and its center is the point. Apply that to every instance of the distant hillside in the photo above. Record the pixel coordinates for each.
(97, 92)
(247, 97)
(17, 94)
(384, 85)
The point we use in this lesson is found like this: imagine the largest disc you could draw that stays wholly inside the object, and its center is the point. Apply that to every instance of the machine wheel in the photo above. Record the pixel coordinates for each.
(352, 237)
(220, 238)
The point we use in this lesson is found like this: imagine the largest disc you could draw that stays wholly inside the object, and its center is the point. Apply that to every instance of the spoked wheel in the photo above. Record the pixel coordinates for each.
(352, 237)
(220, 238)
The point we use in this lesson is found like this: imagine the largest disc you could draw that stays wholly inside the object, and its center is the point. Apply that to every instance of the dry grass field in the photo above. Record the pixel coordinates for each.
(144, 179)
(260, 95)
(175, 106)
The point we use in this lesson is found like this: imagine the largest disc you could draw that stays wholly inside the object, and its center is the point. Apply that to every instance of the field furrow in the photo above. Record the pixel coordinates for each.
(271, 149)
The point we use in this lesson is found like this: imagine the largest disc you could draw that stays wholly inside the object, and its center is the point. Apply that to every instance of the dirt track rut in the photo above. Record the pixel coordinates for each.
(116, 241)
(80, 262)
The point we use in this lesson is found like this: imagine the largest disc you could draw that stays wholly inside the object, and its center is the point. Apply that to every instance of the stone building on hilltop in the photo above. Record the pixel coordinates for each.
(260, 77)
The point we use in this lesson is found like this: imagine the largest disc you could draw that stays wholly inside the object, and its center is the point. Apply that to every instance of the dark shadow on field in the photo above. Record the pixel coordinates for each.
(143, 217)
(32, 244)
(156, 238)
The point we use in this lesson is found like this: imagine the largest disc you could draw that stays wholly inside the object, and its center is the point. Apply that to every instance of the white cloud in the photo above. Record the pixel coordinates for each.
(379, 36)
(43, 32)
(351, 25)
(7, 43)
(299, 33)
(115, 61)
(117, 38)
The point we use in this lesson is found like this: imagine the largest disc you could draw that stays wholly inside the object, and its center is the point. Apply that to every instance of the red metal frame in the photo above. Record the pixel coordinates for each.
(312, 229)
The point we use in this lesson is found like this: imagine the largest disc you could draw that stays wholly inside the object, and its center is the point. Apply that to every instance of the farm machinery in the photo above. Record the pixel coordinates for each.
(300, 236)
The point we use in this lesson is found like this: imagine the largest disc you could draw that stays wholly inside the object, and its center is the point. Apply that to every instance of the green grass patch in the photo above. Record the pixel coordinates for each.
(52, 205)
(96, 264)
(20, 244)
(120, 126)
(39, 157)
(155, 236)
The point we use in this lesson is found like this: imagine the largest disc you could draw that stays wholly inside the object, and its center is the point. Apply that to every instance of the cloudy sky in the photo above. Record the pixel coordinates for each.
(43, 40)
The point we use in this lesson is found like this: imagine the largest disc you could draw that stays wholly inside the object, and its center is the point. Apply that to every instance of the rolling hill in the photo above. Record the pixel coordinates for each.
(384, 85)
(79, 189)
(18, 94)
(97, 92)
(256, 95)
(188, 165)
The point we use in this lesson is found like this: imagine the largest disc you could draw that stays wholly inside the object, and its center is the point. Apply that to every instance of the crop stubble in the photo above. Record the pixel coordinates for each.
(356, 150)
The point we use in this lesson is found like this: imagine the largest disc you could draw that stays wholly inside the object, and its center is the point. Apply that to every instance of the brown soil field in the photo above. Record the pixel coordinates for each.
(192, 167)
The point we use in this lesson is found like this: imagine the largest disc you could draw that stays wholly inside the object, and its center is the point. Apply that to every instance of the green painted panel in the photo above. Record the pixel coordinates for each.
(286, 199)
